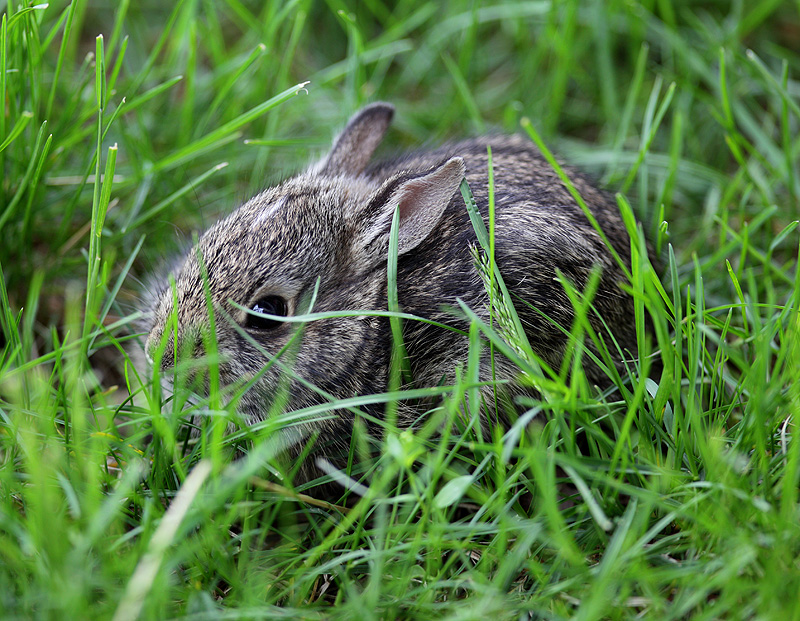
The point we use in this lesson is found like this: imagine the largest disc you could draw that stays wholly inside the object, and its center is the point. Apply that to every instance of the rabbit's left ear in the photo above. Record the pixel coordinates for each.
(355, 145)
(421, 201)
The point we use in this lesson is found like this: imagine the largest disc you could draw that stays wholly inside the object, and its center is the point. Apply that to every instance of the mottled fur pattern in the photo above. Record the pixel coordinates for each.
(332, 223)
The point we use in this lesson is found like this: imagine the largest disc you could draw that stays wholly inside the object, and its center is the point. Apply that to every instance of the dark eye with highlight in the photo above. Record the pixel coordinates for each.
(268, 305)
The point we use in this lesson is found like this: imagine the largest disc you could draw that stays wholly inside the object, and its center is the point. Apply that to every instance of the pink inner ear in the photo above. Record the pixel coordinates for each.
(420, 202)
(412, 198)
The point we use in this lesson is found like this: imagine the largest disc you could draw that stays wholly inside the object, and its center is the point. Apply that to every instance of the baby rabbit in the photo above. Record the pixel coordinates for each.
(331, 225)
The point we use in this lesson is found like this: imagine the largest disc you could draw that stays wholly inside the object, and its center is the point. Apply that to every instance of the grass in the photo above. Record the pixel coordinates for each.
(128, 127)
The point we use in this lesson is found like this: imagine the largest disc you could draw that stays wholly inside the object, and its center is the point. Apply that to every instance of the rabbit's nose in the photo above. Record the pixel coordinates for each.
(159, 350)
(148, 349)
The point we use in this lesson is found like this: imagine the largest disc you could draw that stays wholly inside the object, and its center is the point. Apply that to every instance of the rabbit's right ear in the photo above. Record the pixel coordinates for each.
(419, 199)
(355, 145)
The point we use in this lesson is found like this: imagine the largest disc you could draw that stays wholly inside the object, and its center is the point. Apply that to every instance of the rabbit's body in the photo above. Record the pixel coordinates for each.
(332, 223)
(539, 229)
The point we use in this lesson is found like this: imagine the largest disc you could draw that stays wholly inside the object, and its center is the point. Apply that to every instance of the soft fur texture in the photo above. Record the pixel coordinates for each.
(332, 223)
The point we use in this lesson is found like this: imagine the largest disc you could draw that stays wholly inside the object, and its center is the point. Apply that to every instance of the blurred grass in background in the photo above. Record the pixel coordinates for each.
(685, 501)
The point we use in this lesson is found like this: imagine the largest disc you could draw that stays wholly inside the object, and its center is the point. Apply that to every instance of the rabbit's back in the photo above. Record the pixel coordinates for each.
(540, 231)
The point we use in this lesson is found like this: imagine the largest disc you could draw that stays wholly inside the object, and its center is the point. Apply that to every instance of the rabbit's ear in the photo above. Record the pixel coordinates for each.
(421, 201)
(354, 146)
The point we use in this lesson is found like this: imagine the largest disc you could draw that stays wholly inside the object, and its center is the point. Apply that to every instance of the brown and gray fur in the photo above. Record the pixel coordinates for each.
(332, 223)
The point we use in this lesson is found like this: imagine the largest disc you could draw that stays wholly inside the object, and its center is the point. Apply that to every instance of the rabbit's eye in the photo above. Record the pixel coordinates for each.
(268, 305)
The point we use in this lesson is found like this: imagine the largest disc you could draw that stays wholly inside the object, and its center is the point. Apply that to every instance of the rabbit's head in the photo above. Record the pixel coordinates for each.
(317, 242)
